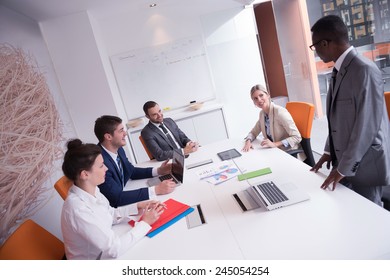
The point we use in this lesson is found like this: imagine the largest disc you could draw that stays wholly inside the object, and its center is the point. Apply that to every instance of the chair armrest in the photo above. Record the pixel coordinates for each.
(295, 152)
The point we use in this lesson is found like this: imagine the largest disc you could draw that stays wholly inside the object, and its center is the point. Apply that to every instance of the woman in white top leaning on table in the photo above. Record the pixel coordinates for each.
(87, 217)
(275, 123)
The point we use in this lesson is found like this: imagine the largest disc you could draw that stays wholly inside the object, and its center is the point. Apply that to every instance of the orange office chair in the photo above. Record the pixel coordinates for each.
(62, 186)
(387, 99)
(303, 114)
(146, 148)
(30, 241)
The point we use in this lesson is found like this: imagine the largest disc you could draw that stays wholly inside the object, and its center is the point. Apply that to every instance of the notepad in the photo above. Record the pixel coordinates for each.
(254, 174)
(174, 212)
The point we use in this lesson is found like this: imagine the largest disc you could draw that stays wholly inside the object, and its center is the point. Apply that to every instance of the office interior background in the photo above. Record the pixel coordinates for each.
(73, 47)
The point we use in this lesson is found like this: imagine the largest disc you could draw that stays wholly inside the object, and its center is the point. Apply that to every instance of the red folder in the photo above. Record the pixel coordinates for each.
(174, 212)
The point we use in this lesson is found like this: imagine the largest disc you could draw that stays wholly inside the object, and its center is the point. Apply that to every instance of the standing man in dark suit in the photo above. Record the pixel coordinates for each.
(359, 134)
(111, 135)
(162, 136)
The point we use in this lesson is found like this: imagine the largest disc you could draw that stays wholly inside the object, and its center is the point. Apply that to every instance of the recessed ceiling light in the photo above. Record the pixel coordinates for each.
(152, 5)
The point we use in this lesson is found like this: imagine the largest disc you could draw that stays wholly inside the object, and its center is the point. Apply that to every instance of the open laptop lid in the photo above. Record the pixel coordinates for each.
(178, 165)
(292, 192)
(177, 170)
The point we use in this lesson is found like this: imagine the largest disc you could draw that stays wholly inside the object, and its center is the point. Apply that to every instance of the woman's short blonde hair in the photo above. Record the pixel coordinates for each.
(259, 87)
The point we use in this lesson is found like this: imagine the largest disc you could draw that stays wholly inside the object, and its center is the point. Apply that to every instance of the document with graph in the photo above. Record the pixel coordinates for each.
(219, 173)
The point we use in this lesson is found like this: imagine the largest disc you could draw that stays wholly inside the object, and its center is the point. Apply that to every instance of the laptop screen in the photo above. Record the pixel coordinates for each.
(178, 165)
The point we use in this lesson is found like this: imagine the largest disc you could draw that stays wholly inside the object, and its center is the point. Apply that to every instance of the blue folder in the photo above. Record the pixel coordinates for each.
(171, 222)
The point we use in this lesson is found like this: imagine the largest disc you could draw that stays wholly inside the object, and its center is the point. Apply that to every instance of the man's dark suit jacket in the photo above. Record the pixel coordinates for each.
(158, 144)
(359, 123)
(112, 187)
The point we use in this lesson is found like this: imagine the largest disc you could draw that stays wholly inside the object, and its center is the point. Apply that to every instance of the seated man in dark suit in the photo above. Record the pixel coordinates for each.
(111, 135)
(162, 136)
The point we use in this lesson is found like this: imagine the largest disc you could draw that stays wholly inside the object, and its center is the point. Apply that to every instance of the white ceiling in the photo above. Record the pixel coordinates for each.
(41, 10)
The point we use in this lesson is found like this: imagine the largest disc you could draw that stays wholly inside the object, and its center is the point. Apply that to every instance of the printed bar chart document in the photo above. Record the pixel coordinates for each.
(219, 173)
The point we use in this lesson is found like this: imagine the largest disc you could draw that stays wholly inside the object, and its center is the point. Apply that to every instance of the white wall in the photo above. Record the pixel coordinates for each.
(231, 45)
(236, 65)
(21, 32)
(77, 65)
(76, 59)
(81, 45)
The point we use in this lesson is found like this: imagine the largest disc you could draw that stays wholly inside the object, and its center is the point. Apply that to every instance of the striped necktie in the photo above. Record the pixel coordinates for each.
(118, 160)
(170, 139)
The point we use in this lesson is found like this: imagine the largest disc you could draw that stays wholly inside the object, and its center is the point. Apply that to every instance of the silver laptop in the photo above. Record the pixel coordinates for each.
(273, 196)
(177, 171)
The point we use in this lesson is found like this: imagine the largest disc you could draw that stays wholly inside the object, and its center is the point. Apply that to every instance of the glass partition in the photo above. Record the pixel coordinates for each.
(368, 23)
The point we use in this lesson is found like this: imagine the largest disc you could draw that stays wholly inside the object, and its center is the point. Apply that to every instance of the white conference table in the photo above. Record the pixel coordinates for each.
(336, 224)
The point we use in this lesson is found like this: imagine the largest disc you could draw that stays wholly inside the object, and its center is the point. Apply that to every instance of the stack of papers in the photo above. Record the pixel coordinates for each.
(219, 173)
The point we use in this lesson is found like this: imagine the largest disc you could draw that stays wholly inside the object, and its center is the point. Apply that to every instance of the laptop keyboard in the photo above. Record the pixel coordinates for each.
(167, 177)
(272, 192)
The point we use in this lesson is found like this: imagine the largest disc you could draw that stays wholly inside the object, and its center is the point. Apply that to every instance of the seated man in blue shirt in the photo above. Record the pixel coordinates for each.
(111, 135)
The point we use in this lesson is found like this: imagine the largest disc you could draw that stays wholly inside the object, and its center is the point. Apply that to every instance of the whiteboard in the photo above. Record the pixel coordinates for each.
(171, 74)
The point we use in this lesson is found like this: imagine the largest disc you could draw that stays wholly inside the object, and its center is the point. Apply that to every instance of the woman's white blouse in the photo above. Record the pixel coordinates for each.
(86, 224)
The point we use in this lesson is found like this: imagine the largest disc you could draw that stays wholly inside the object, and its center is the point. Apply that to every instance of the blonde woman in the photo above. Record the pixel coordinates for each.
(275, 123)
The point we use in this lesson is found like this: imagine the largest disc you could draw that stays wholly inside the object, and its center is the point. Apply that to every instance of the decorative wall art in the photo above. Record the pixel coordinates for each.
(30, 137)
